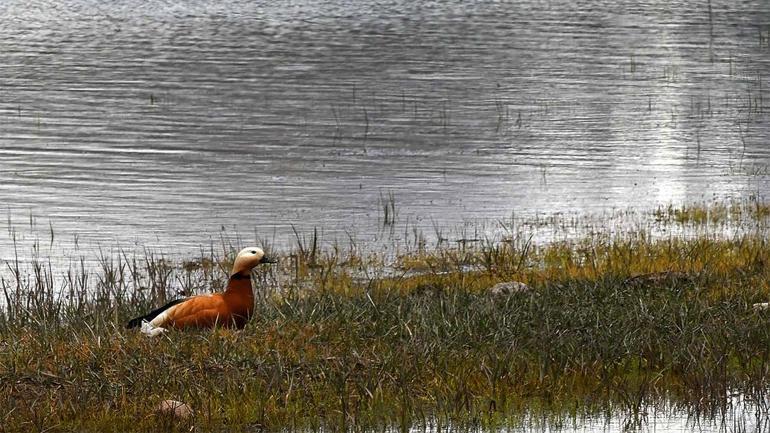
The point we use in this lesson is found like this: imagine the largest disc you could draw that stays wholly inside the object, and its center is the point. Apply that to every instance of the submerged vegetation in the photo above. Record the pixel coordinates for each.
(342, 340)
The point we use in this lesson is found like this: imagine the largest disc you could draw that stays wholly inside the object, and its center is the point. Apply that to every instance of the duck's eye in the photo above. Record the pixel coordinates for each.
(253, 252)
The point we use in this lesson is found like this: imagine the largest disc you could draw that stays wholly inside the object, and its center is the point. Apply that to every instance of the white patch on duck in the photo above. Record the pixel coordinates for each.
(151, 331)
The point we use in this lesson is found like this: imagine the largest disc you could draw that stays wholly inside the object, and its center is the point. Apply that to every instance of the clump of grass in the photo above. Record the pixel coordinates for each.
(614, 325)
(719, 213)
(692, 214)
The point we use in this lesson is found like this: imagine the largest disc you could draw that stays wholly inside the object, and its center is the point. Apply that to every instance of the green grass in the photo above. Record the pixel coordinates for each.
(615, 324)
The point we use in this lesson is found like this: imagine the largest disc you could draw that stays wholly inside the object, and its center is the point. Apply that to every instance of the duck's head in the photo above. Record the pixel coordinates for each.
(248, 258)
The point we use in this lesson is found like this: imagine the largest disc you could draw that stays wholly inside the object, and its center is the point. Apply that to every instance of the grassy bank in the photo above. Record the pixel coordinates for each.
(613, 324)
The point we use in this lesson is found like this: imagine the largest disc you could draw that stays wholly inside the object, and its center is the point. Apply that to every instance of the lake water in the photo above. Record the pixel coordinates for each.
(167, 124)
(162, 123)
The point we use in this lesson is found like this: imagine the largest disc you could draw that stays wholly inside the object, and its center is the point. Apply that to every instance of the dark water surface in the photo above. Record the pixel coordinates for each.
(159, 123)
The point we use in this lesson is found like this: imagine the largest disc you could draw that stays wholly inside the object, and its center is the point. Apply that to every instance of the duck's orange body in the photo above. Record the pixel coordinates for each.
(231, 308)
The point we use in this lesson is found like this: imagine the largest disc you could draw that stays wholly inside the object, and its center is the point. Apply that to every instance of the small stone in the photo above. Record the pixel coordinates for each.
(175, 409)
(509, 288)
(761, 306)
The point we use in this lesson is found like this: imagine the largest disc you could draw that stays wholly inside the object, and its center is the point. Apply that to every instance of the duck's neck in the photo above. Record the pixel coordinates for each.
(239, 286)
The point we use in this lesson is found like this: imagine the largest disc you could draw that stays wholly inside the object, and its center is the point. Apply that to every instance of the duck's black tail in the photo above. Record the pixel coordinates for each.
(137, 321)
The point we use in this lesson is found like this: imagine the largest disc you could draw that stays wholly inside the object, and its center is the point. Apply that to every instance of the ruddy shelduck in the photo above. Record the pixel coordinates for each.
(231, 308)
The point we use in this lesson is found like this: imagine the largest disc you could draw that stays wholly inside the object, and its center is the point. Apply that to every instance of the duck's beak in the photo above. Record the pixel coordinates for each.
(266, 259)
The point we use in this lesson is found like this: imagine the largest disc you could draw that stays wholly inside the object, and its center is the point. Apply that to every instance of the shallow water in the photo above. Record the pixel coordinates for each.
(739, 414)
(163, 123)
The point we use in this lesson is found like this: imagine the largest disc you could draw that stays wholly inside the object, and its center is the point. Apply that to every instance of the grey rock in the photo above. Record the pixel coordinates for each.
(509, 288)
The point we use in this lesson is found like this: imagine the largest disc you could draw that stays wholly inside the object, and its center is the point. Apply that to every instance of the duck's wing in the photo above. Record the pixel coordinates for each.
(205, 311)
(137, 321)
